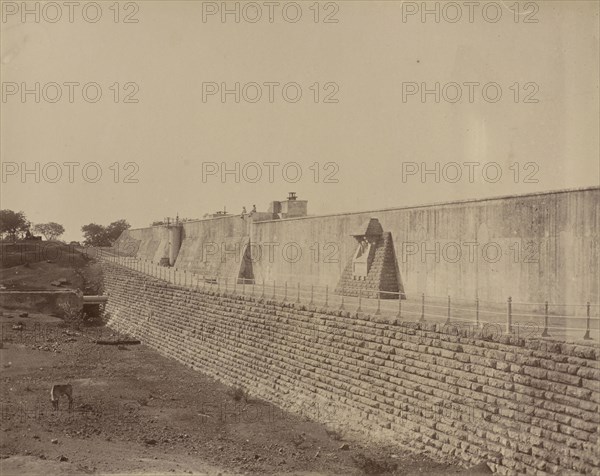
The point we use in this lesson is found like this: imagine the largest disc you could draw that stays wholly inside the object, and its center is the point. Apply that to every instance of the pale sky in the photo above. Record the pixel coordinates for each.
(371, 134)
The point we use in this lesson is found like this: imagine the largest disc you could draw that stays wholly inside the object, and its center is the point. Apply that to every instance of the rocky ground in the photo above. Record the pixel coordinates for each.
(138, 412)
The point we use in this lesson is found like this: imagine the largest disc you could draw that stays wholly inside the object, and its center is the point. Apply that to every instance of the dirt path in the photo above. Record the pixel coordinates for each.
(138, 412)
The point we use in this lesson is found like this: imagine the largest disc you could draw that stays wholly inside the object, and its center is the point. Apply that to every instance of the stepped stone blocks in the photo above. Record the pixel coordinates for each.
(373, 271)
(525, 407)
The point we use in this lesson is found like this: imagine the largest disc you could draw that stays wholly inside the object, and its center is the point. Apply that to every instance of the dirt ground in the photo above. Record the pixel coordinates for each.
(135, 411)
(35, 265)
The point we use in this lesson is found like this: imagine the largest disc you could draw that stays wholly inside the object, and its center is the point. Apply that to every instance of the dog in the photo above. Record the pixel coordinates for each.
(57, 391)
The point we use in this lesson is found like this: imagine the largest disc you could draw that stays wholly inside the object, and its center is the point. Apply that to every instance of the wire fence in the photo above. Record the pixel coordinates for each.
(523, 319)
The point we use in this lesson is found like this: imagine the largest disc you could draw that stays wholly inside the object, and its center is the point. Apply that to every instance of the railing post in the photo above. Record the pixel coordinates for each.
(477, 312)
(587, 323)
(274, 290)
(253, 288)
(359, 301)
(285, 291)
(342, 303)
(262, 296)
(298, 298)
(422, 307)
(378, 310)
(545, 331)
(399, 316)
(243, 286)
(327, 295)
(448, 312)
(509, 315)
(312, 294)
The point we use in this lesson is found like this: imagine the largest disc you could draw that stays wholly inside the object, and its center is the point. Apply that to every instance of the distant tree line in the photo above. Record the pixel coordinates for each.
(50, 231)
(99, 235)
(15, 225)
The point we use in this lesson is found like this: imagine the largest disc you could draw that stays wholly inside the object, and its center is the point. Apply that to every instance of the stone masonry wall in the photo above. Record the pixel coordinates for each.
(526, 407)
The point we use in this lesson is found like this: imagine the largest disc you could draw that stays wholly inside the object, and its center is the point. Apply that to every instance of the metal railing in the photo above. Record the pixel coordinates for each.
(523, 319)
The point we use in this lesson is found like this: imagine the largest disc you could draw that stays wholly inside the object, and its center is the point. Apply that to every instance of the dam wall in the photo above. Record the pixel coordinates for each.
(533, 247)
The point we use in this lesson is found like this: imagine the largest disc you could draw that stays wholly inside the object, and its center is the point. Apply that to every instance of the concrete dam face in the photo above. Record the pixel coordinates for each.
(534, 248)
